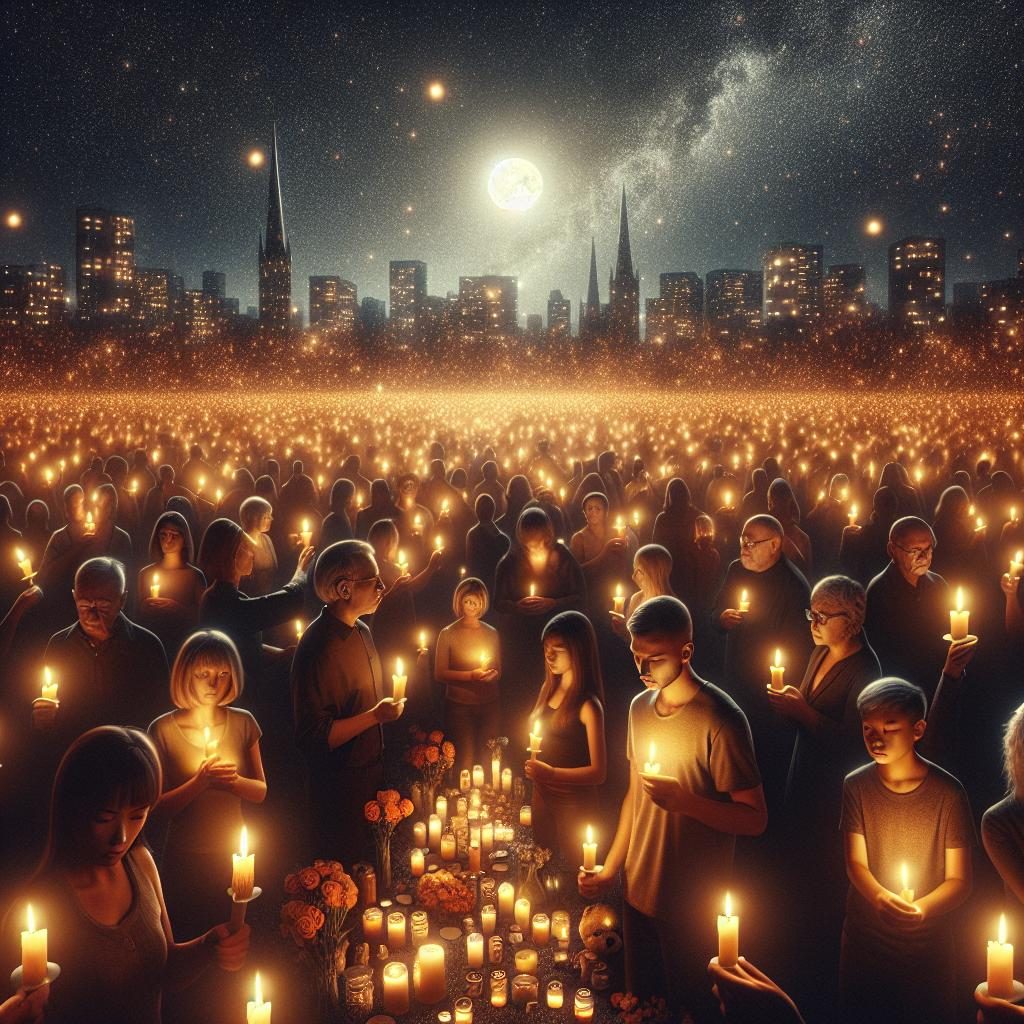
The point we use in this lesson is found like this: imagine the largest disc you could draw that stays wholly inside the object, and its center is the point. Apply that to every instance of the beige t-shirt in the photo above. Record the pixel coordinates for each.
(458, 649)
(675, 864)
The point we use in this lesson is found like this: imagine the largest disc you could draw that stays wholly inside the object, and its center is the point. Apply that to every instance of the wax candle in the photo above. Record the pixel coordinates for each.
(777, 670)
(541, 931)
(419, 834)
(441, 807)
(533, 590)
(488, 919)
(428, 974)
(555, 994)
(620, 526)
(534, 747)
(478, 776)
(448, 845)
(423, 640)
(744, 605)
(485, 660)
(465, 780)
(474, 857)
(396, 930)
(522, 912)
(583, 1004)
(1017, 565)
(299, 629)
(403, 562)
(487, 838)
(419, 926)
(373, 925)
(90, 525)
(560, 925)
(438, 543)
(619, 600)
(906, 893)
(464, 1010)
(958, 618)
(499, 988)
(33, 953)
(506, 780)
(651, 765)
(1000, 964)
(526, 816)
(434, 833)
(49, 691)
(728, 935)
(398, 681)
(506, 900)
(154, 587)
(475, 949)
(305, 534)
(256, 1010)
(589, 850)
(24, 564)
(461, 807)
(853, 515)
(495, 769)
(242, 869)
(396, 988)
(526, 961)
(416, 862)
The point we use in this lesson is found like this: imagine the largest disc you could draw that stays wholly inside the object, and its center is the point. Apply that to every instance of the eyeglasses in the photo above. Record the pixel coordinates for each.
(918, 554)
(380, 584)
(820, 618)
(748, 545)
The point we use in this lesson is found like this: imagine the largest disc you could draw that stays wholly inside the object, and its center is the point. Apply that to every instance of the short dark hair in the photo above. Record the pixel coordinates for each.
(662, 616)
(906, 525)
(893, 694)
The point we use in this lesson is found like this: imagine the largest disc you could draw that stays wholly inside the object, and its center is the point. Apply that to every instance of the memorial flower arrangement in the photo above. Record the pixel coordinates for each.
(430, 754)
(443, 891)
(531, 858)
(319, 898)
(633, 1010)
(384, 813)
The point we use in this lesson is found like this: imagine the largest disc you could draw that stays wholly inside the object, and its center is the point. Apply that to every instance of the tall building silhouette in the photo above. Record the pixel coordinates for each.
(407, 287)
(793, 297)
(917, 281)
(592, 319)
(624, 297)
(559, 316)
(275, 256)
(104, 265)
(733, 300)
(678, 312)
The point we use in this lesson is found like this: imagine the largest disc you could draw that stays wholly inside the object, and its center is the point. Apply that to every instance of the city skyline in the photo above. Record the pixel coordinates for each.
(732, 131)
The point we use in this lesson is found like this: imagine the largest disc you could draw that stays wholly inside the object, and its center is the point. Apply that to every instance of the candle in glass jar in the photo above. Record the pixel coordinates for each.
(556, 994)
(478, 776)
(419, 926)
(373, 925)
(242, 869)
(958, 618)
(526, 961)
(464, 1010)
(1000, 964)
(441, 806)
(541, 931)
(256, 1010)
(33, 953)
(522, 912)
(583, 1004)
(728, 936)
(396, 988)
(434, 834)
(154, 587)
(589, 850)
(487, 838)
(474, 858)
(560, 925)
(49, 691)
(499, 988)
(506, 900)
(399, 681)
(396, 930)
(778, 671)
(526, 816)
(417, 862)
(465, 780)
(428, 974)
(419, 834)
(448, 845)
(488, 919)
(475, 949)
(619, 600)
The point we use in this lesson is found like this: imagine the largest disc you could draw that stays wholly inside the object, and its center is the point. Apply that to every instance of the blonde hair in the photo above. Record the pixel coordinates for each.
(656, 561)
(1013, 753)
(209, 648)
(471, 585)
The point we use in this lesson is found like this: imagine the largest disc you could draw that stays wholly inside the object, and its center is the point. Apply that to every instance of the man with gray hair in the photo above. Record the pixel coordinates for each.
(108, 669)
(339, 702)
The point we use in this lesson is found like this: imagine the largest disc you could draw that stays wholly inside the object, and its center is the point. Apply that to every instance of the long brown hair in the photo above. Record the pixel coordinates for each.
(576, 632)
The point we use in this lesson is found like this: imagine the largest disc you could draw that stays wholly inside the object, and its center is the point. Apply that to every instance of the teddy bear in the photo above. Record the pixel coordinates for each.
(601, 933)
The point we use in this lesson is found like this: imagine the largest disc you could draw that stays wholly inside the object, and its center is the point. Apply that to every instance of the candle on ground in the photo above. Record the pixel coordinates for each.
(958, 618)
(495, 768)
(465, 780)
(619, 600)
(428, 973)
(526, 816)
(526, 961)
(448, 845)
(487, 838)
(475, 949)
(744, 605)
(906, 893)
(560, 925)
(541, 932)
(499, 988)
(474, 858)
(556, 994)
(434, 834)
(506, 900)
(416, 862)
(33, 953)
(589, 850)
(398, 681)
(242, 869)
(256, 1010)
(583, 1004)
(478, 776)
(396, 930)
(396, 988)
(419, 834)
(777, 670)
(506, 780)
(373, 925)
(464, 1010)
(488, 919)
(441, 807)
(522, 912)
(728, 935)
(1000, 964)
(49, 691)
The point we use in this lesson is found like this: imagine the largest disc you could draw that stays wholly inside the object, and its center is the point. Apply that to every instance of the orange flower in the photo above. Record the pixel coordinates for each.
(436, 736)
(392, 814)
(305, 927)
(388, 796)
(333, 893)
(291, 910)
(418, 758)
(309, 877)
(371, 811)
(406, 808)
(448, 749)
(433, 755)
(318, 916)
(292, 885)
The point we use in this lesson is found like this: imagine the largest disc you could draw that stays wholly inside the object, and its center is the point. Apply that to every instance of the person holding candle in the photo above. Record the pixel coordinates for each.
(486, 545)
(25, 1007)
(898, 961)
(862, 550)
(107, 924)
(747, 995)
(206, 774)
(570, 713)
(337, 524)
(1002, 826)
(1013, 615)
(796, 545)
(256, 517)
(676, 832)
(675, 530)
(603, 554)
(380, 506)
(338, 701)
(467, 660)
(652, 573)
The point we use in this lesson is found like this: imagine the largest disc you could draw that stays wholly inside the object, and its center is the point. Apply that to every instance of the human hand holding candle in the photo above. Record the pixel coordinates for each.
(399, 680)
(589, 851)
(778, 671)
(24, 565)
(34, 965)
(853, 515)
(906, 893)
(958, 618)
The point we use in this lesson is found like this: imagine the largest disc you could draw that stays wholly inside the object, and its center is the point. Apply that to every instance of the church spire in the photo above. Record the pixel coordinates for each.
(276, 245)
(593, 295)
(624, 262)
(275, 256)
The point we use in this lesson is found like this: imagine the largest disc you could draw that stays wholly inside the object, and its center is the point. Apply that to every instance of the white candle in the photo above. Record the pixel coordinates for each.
(906, 893)
(1017, 565)
(475, 949)
(488, 919)
(619, 600)
(434, 834)
(373, 925)
(256, 1010)
(33, 953)
(1000, 964)
(416, 862)
(242, 868)
(465, 780)
(744, 605)
(522, 912)
(589, 850)
(428, 975)
(396, 930)
(495, 770)
(441, 806)
(526, 816)
(49, 691)
(958, 618)
(777, 670)
(541, 932)
(526, 961)
(534, 747)
(556, 994)
(305, 534)
(398, 681)
(396, 988)
(419, 834)
(728, 935)
(506, 900)
(24, 564)
(478, 776)
(506, 780)
(487, 838)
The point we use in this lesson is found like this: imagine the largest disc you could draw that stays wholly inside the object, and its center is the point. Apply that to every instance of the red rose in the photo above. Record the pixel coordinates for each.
(305, 927)
(292, 885)
(433, 755)
(371, 811)
(448, 749)
(310, 878)
(406, 808)
(436, 736)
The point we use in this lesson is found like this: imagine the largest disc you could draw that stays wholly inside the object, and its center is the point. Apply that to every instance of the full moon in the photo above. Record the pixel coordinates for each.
(515, 184)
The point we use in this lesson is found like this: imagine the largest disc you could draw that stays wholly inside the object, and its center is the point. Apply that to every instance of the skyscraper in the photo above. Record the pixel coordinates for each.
(559, 316)
(592, 318)
(408, 291)
(917, 281)
(275, 256)
(104, 265)
(488, 307)
(624, 300)
(792, 286)
(154, 303)
(332, 303)
(733, 300)
(845, 293)
(678, 313)
(32, 295)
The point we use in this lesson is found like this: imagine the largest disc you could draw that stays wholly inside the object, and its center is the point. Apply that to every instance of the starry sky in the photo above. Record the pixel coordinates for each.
(733, 126)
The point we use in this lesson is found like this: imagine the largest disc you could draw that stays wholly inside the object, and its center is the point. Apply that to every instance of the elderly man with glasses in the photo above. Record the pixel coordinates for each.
(339, 702)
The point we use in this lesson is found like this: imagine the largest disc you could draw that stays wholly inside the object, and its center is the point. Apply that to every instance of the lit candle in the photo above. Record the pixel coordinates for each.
(488, 919)
(1017, 565)
(305, 534)
(434, 833)
(526, 816)
(396, 930)
(428, 973)
(464, 1010)
(33, 953)
(1000, 964)
(522, 912)
(499, 988)
(744, 602)
(423, 640)
(242, 869)
(209, 743)
(373, 925)
(777, 670)
(90, 524)
(619, 600)
(448, 845)
(154, 587)
(506, 900)
(478, 776)
(441, 806)
(299, 629)
(526, 961)
(475, 949)
(958, 618)
(474, 857)
(651, 766)
(533, 590)
(556, 994)
(438, 543)
(396, 988)
(403, 563)
(560, 925)
(417, 525)
(620, 526)
(49, 691)
(398, 681)
(506, 780)
(589, 850)
(495, 760)
(906, 893)
(487, 836)
(728, 936)
(541, 931)
(416, 862)
(534, 747)
(583, 1004)
(636, 520)
(24, 564)
(465, 780)
(853, 515)
(419, 834)
(256, 1010)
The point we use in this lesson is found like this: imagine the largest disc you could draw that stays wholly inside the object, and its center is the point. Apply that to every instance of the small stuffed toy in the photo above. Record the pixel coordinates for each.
(601, 933)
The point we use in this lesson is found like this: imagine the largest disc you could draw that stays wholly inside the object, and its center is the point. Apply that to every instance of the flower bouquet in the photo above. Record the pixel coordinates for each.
(634, 1011)
(531, 858)
(442, 891)
(432, 756)
(313, 917)
(383, 814)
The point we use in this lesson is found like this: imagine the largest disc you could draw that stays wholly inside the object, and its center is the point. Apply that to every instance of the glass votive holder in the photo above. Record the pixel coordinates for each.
(541, 929)
(556, 994)
(444, 1017)
(526, 960)
(524, 989)
(420, 926)
(526, 816)
(499, 988)
(583, 1004)
(396, 930)
(495, 949)
(474, 984)
(464, 1010)
(358, 992)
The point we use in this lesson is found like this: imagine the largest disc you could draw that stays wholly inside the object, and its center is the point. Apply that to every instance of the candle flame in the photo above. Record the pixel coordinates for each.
(778, 657)
(206, 735)
(728, 499)
(398, 667)
(590, 833)
(618, 590)
(437, 542)
(401, 557)
(959, 599)
(305, 526)
(31, 919)
(651, 757)
(1019, 556)
(258, 987)
(298, 627)
(423, 638)
(1002, 929)
(904, 876)
(47, 675)
(743, 596)
(728, 904)
(156, 579)
(536, 728)
(243, 843)
(853, 511)
(19, 555)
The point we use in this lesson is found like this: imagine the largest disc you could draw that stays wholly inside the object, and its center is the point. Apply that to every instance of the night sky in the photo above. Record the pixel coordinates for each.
(733, 126)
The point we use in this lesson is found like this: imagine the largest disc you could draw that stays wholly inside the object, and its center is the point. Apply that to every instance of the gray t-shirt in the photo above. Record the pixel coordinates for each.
(706, 745)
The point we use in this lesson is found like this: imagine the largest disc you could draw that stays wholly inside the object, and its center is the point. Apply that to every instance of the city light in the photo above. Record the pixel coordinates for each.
(13, 220)
(436, 91)
(873, 226)
(255, 158)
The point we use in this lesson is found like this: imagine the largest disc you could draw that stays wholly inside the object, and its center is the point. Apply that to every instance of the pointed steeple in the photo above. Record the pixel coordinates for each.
(624, 260)
(277, 241)
(593, 294)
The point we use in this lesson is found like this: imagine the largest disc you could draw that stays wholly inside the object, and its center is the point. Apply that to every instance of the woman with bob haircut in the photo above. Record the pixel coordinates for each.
(210, 756)
(570, 714)
(256, 516)
(98, 890)
(467, 660)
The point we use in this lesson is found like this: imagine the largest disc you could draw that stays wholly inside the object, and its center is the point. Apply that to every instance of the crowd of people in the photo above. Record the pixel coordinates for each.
(224, 655)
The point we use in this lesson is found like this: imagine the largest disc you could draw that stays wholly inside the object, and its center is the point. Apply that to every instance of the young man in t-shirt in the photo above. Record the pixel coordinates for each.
(906, 826)
(678, 823)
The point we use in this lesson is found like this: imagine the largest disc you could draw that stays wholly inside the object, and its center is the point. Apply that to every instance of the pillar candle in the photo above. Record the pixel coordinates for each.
(906, 893)
(256, 1010)
(1000, 964)
(488, 919)
(396, 930)
(522, 912)
(396, 988)
(853, 515)
(541, 929)
(495, 772)
(305, 534)
(416, 862)
(583, 1004)
(499, 988)
(33, 953)
(462, 807)
(589, 850)
(434, 833)
(399, 681)
(487, 838)
(24, 564)
(429, 976)
(154, 587)
(441, 807)
(556, 994)
(526, 961)
(534, 747)
(506, 780)
(478, 775)
(448, 845)
(465, 780)
(958, 618)
(474, 858)
(506, 900)
(526, 816)
(778, 671)
(475, 949)
(1017, 565)
(419, 834)
(373, 925)
(728, 935)
(49, 691)
(619, 600)
(242, 869)
(475, 834)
